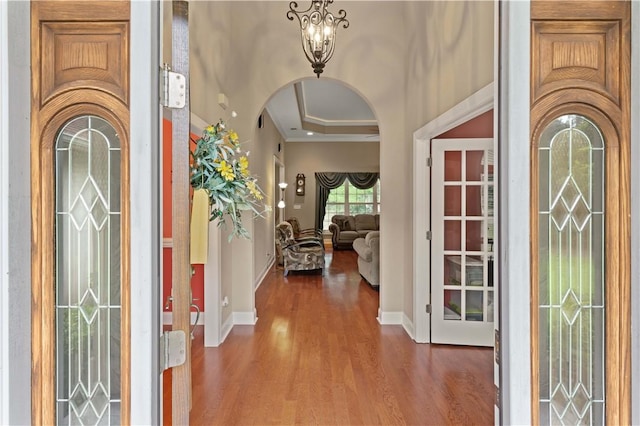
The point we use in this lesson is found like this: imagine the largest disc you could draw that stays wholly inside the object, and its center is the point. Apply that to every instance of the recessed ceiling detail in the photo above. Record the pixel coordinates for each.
(330, 110)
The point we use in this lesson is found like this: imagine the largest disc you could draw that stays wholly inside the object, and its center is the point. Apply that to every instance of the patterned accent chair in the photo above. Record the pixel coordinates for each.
(303, 255)
(299, 233)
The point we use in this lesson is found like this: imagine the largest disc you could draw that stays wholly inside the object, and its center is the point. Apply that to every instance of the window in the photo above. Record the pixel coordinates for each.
(349, 200)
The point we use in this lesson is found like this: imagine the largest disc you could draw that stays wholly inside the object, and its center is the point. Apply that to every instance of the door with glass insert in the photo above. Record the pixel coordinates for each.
(80, 260)
(462, 285)
(580, 121)
(88, 278)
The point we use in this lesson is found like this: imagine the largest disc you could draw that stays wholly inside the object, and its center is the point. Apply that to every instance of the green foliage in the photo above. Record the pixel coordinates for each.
(221, 168)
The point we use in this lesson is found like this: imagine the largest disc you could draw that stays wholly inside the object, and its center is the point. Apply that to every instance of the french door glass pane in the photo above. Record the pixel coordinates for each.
(474, 166)
(88, 272)
(452, 166)
(571, 272)
(452, 200)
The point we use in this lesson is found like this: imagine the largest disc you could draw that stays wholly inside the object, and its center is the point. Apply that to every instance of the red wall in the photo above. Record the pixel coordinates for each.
(478, 127)
(197, 281)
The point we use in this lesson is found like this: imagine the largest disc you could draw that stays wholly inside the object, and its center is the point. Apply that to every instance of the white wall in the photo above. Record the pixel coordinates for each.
(15, 212)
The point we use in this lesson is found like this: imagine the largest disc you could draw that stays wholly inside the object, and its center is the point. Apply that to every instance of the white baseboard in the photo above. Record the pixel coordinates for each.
(226, 329)
(390, 318)
(245, 318)
(167, 318)
(407, 324)
(264, 273)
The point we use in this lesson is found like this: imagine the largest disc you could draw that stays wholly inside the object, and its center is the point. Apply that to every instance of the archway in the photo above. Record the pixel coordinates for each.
(321, 125)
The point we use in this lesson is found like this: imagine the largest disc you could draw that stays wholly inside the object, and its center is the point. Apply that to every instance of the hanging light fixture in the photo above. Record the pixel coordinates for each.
(318, 31)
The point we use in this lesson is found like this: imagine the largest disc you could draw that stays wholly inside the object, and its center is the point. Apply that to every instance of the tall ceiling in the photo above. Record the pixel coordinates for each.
(322, 110)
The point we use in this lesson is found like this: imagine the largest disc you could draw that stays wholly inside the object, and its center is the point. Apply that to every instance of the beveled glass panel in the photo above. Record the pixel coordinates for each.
(474, 166)
(452, 166)
(87, 271)
(571, 272)
(452, 201)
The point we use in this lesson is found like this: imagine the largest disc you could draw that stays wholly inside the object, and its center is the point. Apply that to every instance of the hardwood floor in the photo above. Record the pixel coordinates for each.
(318, 356)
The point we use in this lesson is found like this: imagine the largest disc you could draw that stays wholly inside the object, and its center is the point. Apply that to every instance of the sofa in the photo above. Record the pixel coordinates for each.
(368, 249)
(345, 229)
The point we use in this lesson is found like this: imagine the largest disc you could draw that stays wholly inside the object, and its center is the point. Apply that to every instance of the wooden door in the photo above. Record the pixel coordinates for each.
(80, 212)
(462, 290)
(580, 209)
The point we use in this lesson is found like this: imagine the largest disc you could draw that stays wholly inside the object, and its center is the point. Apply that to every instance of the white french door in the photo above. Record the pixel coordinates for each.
(462, 284)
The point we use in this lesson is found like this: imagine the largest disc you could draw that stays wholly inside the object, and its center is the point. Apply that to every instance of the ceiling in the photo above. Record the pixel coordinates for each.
(327, 109)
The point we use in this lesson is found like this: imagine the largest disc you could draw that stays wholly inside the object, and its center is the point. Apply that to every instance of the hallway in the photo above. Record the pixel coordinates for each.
(317, 356)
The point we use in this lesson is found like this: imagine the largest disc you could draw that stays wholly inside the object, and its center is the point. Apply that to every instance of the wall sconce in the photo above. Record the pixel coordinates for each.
(283, 186)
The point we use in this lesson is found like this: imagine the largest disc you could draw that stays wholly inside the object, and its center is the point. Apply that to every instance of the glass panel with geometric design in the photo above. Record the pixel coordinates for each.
(571, 272)
(87, 151)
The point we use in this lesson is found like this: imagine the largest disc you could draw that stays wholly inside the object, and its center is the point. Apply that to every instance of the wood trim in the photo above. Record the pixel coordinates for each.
(82, 99)
(180, 267)
(612, 115)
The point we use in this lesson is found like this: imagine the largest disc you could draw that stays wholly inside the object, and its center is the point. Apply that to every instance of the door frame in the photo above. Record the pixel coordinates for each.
(514, 130)
(15, 364)
(146, 232)
(635, 214)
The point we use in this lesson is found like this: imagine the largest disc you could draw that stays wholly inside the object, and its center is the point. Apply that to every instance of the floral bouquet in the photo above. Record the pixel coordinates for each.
(221, 168)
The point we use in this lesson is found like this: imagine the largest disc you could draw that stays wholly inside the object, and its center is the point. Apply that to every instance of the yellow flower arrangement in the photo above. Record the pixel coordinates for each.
(229, 184)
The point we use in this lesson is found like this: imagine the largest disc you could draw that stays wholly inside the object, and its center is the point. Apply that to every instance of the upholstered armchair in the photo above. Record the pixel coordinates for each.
(303, 255)
(299, 233)
(368, 249)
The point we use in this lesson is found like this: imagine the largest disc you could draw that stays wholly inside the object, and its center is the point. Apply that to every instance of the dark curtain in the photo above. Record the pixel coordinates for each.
(327, 181)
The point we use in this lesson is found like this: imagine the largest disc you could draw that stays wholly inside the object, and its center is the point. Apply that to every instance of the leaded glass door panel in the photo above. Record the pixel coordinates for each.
(580, 212)
(80, 261)
(462, 291)
(571, 272)
(88, 282)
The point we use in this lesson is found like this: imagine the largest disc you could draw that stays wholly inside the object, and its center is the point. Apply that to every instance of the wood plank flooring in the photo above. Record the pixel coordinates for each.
(318, 356)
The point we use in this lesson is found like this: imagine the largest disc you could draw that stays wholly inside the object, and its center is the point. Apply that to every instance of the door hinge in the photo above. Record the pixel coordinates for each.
(429, 235)
(429, 162)
(173, 349)
(428, 308)
(174, 88)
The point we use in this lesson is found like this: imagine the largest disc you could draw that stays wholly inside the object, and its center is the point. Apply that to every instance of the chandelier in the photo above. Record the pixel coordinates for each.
(318, 31)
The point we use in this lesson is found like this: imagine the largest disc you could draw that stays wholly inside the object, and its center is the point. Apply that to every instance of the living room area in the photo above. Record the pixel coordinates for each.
(327, 153)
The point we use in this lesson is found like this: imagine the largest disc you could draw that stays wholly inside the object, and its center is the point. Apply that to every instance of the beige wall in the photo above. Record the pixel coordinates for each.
(448, 57)
(261, 162)
(311, 157)
(410, 60)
